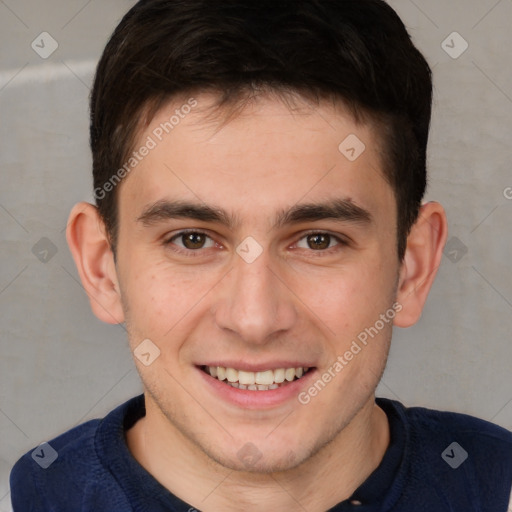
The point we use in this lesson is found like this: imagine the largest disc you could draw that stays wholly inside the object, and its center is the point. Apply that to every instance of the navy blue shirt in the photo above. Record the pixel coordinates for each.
(436, 462)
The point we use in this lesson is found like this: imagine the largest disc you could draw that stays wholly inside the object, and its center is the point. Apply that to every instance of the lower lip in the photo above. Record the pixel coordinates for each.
(257, 399)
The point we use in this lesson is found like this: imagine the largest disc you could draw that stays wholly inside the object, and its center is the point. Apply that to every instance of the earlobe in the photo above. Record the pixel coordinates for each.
(423, 255)
(90, 247)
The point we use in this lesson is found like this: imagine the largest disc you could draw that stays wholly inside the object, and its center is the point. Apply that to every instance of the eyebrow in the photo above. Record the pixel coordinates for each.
(337, 209)
(166, 210)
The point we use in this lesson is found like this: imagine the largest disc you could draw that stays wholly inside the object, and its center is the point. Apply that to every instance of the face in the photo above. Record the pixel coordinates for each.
(258, 253)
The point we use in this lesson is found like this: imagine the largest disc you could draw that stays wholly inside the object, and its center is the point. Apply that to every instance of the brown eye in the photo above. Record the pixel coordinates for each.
(318, 241)
(193, 240)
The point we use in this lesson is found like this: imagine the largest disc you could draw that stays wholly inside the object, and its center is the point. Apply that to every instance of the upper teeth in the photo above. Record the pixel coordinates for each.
(267, 377)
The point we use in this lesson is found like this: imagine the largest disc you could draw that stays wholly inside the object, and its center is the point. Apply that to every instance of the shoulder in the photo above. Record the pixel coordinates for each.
(66, 472)
(479, 438)
(455, 457)
(41, 472)
(433, 427)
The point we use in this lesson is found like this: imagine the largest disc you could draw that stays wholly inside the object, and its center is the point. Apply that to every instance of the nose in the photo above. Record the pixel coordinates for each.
(254, 302)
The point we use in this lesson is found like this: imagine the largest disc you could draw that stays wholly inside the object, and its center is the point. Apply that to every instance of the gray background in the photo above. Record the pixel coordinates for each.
(59, 365)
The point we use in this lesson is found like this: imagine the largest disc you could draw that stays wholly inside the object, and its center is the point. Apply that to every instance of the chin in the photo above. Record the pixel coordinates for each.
(250, 459)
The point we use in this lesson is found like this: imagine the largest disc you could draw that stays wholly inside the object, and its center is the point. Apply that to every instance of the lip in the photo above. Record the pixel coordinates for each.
(259, 367)
(246, 399)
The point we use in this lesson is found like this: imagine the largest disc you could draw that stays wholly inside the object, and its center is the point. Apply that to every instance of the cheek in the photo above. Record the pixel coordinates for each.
(156, 300)
(146, 295)
(162, 300)
(351, 298)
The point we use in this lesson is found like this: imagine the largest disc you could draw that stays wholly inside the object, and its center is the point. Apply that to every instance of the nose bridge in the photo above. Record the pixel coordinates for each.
(254, 305)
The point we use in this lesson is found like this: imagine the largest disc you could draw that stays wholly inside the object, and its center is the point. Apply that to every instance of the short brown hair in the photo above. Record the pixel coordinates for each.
(357, 52)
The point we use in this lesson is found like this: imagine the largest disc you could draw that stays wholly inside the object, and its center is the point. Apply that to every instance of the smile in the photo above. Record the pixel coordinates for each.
(256, 381)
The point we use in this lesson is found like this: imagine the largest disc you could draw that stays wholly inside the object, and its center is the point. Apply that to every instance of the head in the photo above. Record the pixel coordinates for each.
(354, 53)
(259, 169)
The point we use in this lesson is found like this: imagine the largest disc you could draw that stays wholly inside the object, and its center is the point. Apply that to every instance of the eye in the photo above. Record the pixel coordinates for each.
(318, 241)
(192, 240)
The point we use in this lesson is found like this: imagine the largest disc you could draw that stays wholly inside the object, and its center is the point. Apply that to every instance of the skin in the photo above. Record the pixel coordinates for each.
(293, 303)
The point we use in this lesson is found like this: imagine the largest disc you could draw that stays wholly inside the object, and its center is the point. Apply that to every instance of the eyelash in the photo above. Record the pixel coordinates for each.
(187, 252)
(340, 242)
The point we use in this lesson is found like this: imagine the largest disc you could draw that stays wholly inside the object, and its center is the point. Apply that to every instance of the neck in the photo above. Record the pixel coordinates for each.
(319, 483)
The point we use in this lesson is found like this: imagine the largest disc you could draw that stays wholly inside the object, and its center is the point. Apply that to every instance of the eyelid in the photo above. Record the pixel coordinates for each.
(170, 240)
(341, 240)
(182, 232)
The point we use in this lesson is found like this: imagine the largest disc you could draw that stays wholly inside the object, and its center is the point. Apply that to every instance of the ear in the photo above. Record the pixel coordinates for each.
(423, 255)
(90, 247)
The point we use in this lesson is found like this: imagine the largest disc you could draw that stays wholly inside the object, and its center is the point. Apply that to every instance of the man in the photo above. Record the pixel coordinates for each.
(259, 169)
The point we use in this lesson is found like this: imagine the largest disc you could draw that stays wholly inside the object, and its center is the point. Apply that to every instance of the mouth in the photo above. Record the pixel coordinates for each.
(256, 381)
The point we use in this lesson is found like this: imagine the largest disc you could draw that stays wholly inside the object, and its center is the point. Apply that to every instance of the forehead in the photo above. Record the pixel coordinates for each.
(269, 153)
